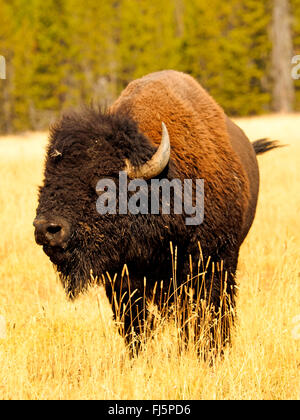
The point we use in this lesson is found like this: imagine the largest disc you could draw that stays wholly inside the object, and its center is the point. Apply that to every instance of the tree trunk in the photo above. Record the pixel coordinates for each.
(283, 86)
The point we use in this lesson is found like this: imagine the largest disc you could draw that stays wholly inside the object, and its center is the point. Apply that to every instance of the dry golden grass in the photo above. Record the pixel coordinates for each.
(55, 349)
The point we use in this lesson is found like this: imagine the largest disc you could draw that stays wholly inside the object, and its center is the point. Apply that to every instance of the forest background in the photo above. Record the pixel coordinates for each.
(62, 53)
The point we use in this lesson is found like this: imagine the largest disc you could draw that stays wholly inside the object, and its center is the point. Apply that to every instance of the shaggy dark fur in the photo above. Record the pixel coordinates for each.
(89, 145)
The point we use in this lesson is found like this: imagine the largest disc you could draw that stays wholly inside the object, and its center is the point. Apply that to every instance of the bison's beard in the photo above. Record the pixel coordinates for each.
(79, 269)
(74, 269)
(87, 258)
(75, 274)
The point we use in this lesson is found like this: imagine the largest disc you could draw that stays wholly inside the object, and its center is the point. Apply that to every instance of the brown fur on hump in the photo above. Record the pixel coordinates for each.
(200, 144)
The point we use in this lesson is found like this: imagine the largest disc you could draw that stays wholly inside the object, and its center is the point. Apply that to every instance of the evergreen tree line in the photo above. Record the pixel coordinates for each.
(62, 53)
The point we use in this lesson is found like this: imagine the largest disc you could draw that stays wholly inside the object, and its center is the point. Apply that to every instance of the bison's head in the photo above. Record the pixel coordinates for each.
(84, 148)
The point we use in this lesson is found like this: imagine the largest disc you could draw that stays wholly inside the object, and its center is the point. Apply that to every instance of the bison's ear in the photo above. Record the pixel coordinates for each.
(156, 164)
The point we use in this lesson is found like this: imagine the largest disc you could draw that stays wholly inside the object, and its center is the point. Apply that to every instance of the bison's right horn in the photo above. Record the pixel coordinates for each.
(156, 164)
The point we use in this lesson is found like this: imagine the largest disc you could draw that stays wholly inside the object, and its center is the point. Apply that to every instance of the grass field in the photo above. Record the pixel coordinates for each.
(55, 349)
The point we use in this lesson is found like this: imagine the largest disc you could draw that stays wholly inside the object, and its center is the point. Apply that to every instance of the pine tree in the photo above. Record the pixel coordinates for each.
(91, 32)
(40, 49)
(226, 48)
(147, 38)
(6, 85)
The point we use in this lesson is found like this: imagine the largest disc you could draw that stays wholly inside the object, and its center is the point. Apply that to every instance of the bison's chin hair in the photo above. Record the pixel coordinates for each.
(74, 285)
(85, 266)
(75, 278)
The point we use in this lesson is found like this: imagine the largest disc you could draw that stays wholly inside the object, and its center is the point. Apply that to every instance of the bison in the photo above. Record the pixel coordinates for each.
(198, 141)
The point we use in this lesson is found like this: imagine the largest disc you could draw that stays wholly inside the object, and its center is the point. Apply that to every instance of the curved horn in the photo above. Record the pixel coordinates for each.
(156, 164)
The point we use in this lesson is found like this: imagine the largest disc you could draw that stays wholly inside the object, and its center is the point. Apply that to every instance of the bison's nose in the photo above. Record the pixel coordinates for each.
(54, 232)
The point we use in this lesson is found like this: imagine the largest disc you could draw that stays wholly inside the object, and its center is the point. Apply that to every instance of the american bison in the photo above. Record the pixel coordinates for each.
(198, 141)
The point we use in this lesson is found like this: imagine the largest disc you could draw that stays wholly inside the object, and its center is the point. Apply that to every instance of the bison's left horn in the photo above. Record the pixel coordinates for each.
(156, 164)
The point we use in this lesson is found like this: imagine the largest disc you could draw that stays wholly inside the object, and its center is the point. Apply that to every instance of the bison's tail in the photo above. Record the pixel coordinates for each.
(264, 145)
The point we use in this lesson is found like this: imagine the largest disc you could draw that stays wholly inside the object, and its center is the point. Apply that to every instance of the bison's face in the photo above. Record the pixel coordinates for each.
(83, 149)
(74, 236)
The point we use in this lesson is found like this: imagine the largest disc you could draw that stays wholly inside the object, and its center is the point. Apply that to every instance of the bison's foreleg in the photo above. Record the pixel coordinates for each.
(130, 312)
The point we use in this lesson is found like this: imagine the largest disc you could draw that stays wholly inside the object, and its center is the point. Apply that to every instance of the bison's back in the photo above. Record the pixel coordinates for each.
(200, 142)
(193, 118)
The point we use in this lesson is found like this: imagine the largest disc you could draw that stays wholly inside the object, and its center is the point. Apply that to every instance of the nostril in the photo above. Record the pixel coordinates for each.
(53, 233)
(53, 229)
